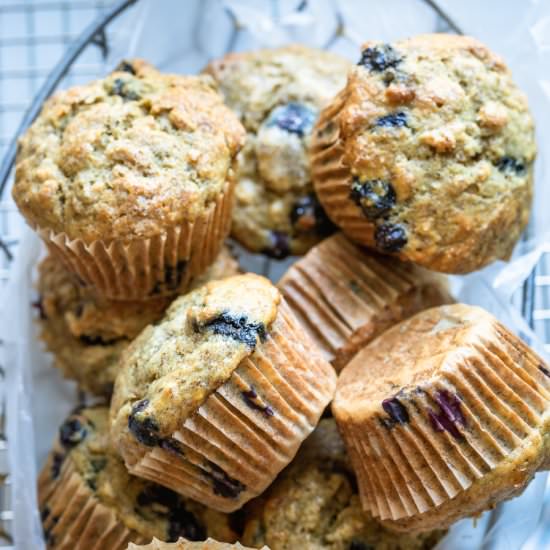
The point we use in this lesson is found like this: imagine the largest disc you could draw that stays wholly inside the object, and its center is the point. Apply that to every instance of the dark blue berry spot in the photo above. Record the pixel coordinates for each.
(120, 88)
(449, 416)
(125, 67)
(172, 278)
(57, 463)
(252, 399)
(375, 197)
(358, 545)
(38, 305)
(294, 118)
(173, 446)
(223, 484)
(396, 412)
(510, 164)
(393, 120)
(144, 428)
(237, 328)
(380, 58)
(72, 432)
(390, 237)
(307, 215)
(279, 247)
(94, 340)
(544, 370)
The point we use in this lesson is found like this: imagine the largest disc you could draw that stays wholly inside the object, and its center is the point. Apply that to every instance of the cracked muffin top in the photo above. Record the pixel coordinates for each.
(440, 144)
(277, 94)
(314, 505)
(148, 509)
(171, 368)
(126, 156)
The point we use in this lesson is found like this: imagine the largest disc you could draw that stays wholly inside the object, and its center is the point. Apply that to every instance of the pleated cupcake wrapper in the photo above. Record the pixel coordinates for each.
(148, 268)
(208, 544)
(404, 470)
(234, 446)
(76, 519)
(344, 298)
(332, 179)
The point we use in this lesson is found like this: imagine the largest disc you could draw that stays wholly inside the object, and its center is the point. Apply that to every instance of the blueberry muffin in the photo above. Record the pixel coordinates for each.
(314, 505)
(87, 333)
(344, 296)
(183, 544)
(277, 94)
(444, 415)
(428, 153)
(129, 179)
(214, 400)
(88, 500)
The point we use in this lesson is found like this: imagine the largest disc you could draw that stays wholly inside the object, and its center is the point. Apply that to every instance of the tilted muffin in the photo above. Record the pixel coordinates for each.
(277, 93)
(428, 153)
(129, 179)
(188, 545)
(345, 296)
(444, 415)
(314, 505)
(214, 400)
(87, 333)
(88, 500)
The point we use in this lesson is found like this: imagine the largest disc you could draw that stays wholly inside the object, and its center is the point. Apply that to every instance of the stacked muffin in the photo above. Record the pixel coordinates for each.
(423, 161)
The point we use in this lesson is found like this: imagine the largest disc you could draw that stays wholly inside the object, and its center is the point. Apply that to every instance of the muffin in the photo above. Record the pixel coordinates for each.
(428, 153)
(313, 505)
(88, 500)
(345, 296)
(87, 333)
(214, 400)
(277, 94)
(183, 544)
(129, 180)
(444, 415)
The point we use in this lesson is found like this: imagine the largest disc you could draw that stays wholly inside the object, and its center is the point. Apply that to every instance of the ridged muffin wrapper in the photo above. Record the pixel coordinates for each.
(182, 544)
(332, 179)
(235, 444)
(344, 298)
(408, 469)
(150, 267)
(76, 519)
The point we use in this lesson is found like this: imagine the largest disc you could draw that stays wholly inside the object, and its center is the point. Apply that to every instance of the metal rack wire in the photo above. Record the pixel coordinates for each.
(39, 26)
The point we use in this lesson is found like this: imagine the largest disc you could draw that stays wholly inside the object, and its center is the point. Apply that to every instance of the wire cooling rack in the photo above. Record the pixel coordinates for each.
(34, 34)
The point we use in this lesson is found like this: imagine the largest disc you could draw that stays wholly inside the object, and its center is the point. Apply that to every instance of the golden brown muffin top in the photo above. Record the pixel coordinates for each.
(440, 143)
(145, 507)
(171, 368)
(126, 156)
(314, 505)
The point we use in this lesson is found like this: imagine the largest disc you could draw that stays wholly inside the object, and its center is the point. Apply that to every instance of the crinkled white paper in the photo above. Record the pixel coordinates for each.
(182, 36)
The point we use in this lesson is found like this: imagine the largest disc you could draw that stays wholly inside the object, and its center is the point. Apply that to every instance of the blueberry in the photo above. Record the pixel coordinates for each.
(223, 484)
(544, 370)
(72, 432)
(57, 463)
(390, 237)
(125, 67)
(236, 327)
(120, 88)
(251, 399)
(92, 340)
(510, 164)
(145, 429)
(450, 414)
(396, 411)
(173, 446)
(38, 304)
(375, 197)
(307, 214)
(172, 278)
(294, 118)
(379, 58)
(393, 120)
(183, 523)
(279, 248)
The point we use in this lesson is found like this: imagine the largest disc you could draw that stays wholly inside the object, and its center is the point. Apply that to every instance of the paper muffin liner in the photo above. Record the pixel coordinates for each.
(250, 428)
(475, 435)
(332, 179)
(151, 267)
(183, 544)
(73, 518)
(345, 297)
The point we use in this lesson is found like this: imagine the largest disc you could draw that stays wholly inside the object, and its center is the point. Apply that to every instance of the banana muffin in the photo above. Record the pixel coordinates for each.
(87, 333)
(314, 505)
(444, 416)
(345, 296)
(88, 500)
(129, 179)
(188, 545)
(277, 93)
(214, 400)
(428, 153)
